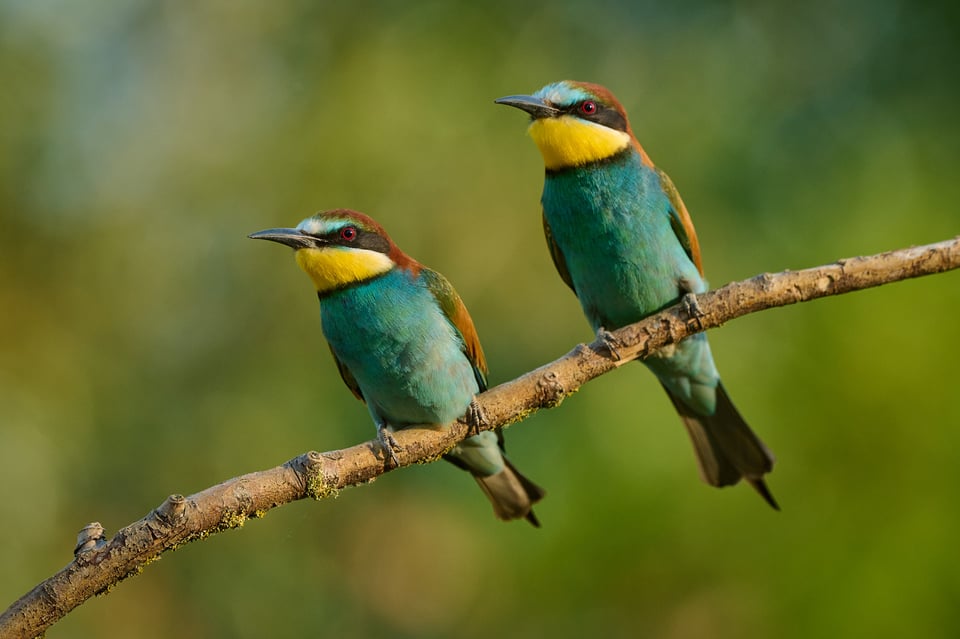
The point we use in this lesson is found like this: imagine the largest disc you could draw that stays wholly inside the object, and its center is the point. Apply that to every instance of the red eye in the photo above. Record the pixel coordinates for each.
(588, 108)
(348, 233)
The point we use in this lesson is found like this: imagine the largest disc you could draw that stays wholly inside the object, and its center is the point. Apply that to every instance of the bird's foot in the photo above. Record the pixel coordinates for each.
(476, 417)
(692, 308)
(388, 443)
(610, 342)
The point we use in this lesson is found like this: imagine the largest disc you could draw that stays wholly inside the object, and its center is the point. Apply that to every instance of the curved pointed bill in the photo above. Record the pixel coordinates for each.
(291, 237)
(535, 106)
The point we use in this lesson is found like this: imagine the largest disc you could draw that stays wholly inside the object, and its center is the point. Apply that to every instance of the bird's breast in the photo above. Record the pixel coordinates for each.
(405, 355)
(611, 223)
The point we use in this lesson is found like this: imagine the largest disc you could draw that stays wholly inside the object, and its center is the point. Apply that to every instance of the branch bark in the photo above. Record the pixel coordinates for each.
(100, 564)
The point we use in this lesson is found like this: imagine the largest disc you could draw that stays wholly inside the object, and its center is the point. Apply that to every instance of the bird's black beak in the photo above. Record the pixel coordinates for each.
(291, 237)
(536, 107)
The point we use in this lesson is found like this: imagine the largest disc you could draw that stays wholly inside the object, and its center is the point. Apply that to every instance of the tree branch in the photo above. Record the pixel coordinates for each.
(100, 564)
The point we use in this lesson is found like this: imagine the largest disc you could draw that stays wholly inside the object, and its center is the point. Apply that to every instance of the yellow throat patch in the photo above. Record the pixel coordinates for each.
(335, 267)
(568, 141)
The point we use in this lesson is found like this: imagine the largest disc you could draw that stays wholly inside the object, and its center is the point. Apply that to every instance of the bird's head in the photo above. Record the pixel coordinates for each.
(339, 248)
(576, 123)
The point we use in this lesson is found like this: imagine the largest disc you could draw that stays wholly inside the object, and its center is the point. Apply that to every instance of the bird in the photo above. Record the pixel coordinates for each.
(404, 344)
(623, 241)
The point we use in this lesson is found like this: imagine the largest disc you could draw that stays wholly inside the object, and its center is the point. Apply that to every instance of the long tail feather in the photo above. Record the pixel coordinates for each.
(727, 450)
(511, 494)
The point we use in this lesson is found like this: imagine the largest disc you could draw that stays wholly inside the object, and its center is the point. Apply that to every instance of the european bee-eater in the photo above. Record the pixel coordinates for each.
(403, 343)
(621, 238)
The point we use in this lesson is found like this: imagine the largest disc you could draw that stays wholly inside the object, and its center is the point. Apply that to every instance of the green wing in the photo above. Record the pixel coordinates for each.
(347, 376)
(680, 221)
(558, 260)
(452, 306)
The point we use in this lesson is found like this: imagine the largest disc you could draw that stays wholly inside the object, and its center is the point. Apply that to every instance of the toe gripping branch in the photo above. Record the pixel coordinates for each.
(692, 308)
(388, 443)
(611, 343)
(476, 418)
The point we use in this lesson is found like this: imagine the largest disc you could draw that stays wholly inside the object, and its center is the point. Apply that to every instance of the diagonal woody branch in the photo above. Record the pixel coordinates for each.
(100, 564)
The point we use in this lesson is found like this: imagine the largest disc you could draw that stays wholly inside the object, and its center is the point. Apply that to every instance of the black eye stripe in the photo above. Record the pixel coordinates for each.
(362, 239)
(605, 115)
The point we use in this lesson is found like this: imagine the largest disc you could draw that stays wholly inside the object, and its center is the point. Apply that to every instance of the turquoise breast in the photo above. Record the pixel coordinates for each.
(405, 355)
(611, 222)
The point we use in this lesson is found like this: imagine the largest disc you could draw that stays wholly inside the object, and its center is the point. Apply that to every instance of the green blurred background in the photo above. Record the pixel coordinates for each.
(147, 347)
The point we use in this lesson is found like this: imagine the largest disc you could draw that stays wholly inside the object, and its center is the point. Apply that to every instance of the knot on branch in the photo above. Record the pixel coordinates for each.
(173, 510)
(824, 283)
(550, 391)
(765, 280)
(90, 537)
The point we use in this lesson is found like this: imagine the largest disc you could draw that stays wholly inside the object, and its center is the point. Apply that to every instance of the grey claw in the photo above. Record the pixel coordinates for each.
(388, 443)
(610, 342)
(692, 308)
(476, 417)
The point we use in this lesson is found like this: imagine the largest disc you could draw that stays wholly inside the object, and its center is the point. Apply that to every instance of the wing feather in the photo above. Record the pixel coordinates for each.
(559, 261)
(455, 311)
(347, 376)
(680, 221)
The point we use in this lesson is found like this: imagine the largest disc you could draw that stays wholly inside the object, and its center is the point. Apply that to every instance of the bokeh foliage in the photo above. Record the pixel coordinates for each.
(147, 347)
